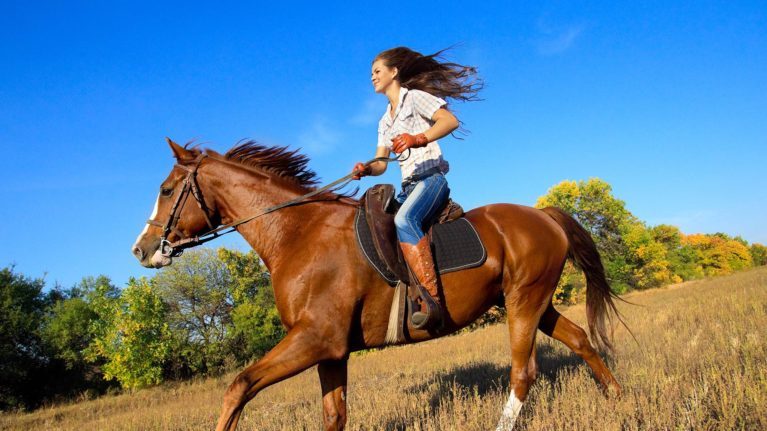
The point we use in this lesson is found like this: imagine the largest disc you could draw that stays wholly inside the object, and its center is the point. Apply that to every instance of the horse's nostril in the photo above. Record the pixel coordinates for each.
(138, 252)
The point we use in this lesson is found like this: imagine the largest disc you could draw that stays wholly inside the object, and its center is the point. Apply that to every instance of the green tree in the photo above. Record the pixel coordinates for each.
(681, 257)
(649, 257)
(221, 309)
(131, 337)
(67, 330)
(591, 203)
(758, 254)
(68, 326)
(198, 292)
(256, 325)
(104, 301)
(67, 333)
(22, 359)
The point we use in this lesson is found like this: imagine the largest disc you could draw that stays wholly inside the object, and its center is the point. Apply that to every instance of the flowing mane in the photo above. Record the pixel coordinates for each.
(278, 160)
(288, 164)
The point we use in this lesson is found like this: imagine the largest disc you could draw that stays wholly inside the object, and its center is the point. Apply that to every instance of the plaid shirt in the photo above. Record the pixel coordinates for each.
(413, 115)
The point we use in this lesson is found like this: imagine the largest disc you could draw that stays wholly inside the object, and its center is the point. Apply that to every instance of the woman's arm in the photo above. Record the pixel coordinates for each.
(444, 123)
(378, 168)
(375, 168)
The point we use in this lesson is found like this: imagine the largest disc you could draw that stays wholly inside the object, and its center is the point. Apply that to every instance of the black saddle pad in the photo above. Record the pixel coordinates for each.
(456, 246)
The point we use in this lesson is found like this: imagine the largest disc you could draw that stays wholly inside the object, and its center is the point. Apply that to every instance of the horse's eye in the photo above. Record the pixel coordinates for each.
(166, 192)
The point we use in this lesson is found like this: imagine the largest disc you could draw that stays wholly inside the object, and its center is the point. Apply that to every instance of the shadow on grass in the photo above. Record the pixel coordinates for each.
(483, 378)
(551, 362)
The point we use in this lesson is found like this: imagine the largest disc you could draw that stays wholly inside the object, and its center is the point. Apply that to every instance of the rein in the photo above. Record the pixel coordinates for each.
(175, 249)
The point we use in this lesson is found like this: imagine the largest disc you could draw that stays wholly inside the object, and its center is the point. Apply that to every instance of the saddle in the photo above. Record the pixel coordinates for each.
(378, 207)
(455, 243)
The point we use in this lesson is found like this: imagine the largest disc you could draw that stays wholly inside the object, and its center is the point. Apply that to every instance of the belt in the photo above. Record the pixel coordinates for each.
(418, 177)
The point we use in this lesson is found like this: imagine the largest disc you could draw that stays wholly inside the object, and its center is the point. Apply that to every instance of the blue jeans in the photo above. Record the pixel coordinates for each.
(420, 202)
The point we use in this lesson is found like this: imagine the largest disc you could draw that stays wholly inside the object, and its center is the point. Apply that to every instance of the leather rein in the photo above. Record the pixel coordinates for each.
(190, 187)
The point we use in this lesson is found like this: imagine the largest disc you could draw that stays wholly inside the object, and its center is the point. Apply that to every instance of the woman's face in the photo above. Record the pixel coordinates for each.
(382, 76)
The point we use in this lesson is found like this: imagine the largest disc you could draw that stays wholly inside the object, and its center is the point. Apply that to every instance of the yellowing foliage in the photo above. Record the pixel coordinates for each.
(638, 256)
(719, 254)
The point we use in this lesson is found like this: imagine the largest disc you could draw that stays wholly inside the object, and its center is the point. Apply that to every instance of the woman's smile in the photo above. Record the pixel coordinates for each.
(382, 76)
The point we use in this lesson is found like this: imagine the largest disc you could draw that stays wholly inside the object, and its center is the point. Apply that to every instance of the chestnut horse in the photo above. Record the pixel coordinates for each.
(330, 299)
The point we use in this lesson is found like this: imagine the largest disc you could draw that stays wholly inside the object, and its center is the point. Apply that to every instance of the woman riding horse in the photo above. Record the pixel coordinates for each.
(331, 301)
(415, 118)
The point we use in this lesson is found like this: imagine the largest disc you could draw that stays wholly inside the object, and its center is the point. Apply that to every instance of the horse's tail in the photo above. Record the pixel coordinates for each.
(600, 307)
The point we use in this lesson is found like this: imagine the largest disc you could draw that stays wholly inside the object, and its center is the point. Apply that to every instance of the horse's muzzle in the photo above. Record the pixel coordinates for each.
(149, 259)
(138, 252)
(159, 260)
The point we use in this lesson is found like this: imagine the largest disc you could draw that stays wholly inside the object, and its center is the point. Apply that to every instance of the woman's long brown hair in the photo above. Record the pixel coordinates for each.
(432, 74)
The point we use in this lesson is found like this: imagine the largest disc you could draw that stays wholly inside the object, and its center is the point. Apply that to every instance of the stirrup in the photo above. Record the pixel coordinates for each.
(432, 317)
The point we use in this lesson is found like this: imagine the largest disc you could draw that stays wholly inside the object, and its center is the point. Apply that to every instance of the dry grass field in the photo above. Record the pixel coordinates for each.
(700, 364)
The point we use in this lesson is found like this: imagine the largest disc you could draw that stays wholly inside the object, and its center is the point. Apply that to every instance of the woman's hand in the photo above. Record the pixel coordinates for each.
(360, 170)
(404, 141)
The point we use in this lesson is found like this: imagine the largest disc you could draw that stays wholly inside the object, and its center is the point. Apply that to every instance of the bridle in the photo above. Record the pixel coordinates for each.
(190, 187)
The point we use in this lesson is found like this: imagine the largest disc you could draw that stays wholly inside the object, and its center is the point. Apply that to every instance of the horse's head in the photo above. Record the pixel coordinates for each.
(180, 212)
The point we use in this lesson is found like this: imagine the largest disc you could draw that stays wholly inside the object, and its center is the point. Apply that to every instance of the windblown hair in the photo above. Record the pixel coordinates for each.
(432, 74)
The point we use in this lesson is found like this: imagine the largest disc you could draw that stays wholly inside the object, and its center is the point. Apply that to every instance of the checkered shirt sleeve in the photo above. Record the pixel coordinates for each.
(426, 104)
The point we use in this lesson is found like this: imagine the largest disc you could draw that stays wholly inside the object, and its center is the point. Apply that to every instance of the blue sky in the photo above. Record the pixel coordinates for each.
(666, 101)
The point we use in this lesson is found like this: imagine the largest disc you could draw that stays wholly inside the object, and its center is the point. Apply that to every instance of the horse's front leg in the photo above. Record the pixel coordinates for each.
(333, 380)
(299, 350)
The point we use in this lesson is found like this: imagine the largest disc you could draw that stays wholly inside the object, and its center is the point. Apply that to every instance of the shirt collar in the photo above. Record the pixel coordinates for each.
(387, 118)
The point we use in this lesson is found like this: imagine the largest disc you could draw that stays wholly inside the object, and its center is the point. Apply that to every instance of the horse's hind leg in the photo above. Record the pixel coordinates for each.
(560, 328)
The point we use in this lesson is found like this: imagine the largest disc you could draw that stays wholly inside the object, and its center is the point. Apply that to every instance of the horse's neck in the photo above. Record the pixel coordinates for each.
(241, 194)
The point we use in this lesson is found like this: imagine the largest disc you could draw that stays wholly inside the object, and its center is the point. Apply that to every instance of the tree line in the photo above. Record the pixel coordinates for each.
(213, 310)
(637, 255)
(208, 312)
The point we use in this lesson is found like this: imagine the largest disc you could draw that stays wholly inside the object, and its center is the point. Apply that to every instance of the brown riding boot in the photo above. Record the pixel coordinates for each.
(421, 263)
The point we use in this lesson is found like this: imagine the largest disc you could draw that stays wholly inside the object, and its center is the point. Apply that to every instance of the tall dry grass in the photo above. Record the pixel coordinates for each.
(700, 364)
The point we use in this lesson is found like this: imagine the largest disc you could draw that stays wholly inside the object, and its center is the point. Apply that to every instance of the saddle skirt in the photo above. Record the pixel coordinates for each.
(455, 243)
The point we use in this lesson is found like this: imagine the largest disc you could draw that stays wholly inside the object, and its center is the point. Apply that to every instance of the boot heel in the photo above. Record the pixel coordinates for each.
(430, 318)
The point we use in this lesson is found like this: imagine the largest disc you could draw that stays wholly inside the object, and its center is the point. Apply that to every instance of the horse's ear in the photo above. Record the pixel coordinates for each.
(180, 153)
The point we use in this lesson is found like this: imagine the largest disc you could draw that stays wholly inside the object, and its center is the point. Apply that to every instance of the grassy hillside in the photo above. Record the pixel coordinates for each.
(701, 363)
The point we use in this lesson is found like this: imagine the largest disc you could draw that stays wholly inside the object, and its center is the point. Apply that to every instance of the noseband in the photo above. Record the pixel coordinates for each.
(175, 249)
